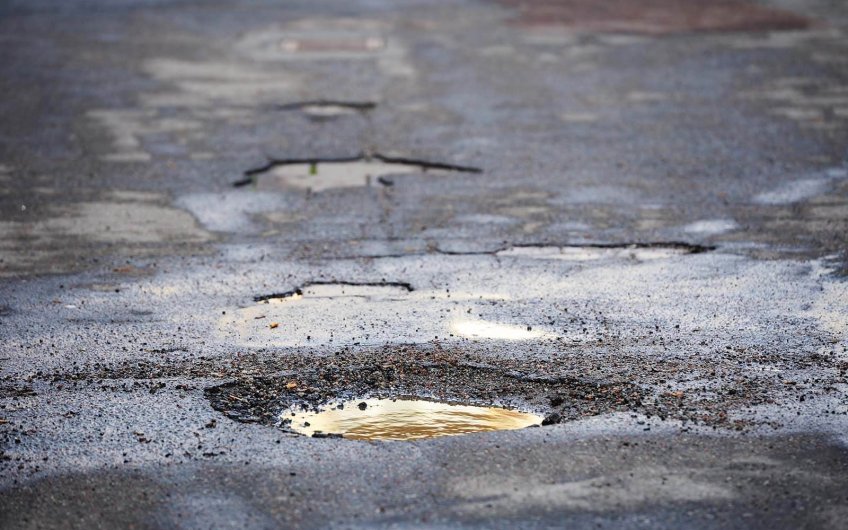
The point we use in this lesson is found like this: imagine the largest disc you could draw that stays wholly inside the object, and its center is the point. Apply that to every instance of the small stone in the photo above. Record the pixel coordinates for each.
(552, 418)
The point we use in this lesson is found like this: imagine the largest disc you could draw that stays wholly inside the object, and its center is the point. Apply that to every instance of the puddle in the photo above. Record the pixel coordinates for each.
(328, 175)
(406, 419)
(321, 174)
(368, 313)
(803, 189)
(636, 252)
(333, 43)
(329, 39)
(276, 43)
(314, 313)
(793, 192)
(481, 329)
(557, 392)
(711, 226)
(328, 109)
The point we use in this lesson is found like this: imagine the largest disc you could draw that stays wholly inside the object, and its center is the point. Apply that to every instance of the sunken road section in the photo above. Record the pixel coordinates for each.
(410, 373)
(562, 388)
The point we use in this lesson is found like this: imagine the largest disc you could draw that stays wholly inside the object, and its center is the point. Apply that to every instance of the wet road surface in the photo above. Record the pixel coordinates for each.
(629, 219)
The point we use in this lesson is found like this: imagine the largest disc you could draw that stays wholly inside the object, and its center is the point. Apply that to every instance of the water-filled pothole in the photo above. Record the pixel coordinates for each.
(310, 383)
(578, 253)
(405, 419)
(319, 110)
(320, 174)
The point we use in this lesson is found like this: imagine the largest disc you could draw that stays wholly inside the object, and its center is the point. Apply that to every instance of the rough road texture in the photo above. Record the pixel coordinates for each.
(651, 255)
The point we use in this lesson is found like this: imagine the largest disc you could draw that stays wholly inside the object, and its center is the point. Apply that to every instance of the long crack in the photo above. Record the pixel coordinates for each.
(360, 106)
(424, 165)
(299, 290)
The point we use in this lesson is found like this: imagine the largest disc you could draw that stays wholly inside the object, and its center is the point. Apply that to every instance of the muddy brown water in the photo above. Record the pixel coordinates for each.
(406, 419)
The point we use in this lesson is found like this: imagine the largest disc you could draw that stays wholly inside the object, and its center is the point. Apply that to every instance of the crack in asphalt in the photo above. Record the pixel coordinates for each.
(687, 248)
(299, 290)
(684, 247)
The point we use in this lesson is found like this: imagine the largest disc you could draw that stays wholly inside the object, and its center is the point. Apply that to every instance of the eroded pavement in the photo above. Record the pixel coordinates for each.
(627, 218)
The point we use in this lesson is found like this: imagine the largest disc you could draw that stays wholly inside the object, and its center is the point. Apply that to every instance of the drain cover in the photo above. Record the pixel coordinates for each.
(406, 419)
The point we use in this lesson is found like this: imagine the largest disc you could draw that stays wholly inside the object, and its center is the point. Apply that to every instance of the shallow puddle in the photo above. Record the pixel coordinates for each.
(315, 313)
(319, 175)
(333, 43)
(406, 419)
(591, 253)
(322, 176)
(321, 110)
(481, 329)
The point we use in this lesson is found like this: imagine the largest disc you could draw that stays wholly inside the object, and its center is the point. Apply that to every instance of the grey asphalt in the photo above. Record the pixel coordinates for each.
(652, 198)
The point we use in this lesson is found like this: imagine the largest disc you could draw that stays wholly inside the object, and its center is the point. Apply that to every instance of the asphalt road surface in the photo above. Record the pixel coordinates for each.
(629, 218)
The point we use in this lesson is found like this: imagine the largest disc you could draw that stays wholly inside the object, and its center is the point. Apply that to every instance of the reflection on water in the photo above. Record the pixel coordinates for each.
(407, 419)
(327, 175)
(481, 329)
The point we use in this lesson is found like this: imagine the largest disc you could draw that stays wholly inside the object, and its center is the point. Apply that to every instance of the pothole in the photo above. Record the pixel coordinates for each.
(405, 419)
(631, 252)
(435, 394)
(332, 43)
(315, 43)
(318, 174)
(335, 289)
(319, 110)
